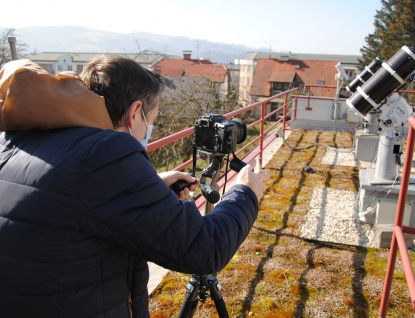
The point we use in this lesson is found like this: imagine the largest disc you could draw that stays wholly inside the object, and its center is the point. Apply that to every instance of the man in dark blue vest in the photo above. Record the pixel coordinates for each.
(82, 210)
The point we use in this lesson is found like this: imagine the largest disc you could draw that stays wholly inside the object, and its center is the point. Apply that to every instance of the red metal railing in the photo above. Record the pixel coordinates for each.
(398, 241)
(263, 138)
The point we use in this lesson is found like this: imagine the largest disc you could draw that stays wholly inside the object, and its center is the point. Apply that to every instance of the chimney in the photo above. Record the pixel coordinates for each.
(187, 54)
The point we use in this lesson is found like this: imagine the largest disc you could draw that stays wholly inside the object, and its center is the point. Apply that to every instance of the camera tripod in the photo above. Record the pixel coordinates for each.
(197, 290)
(200, 285)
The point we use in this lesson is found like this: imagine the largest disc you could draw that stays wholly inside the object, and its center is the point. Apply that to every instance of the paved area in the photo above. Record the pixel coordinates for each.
(157, 272)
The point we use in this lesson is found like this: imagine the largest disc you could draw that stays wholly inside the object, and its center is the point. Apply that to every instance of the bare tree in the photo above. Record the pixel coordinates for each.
(5, 54)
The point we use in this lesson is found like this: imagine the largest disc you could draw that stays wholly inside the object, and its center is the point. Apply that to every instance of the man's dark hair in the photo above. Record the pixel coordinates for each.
(122, 81)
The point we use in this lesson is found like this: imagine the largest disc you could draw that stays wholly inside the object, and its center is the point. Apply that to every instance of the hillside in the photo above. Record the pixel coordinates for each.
(81, 39)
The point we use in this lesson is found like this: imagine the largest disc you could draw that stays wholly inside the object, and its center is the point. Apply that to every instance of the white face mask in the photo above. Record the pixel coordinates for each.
(148, 136)
(148, 131)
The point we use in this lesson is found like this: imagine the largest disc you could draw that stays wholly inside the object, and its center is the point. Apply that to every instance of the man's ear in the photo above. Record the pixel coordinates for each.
(134, 112)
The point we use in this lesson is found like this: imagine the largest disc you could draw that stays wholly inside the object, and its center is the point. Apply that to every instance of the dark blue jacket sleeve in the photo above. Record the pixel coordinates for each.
(122, 199)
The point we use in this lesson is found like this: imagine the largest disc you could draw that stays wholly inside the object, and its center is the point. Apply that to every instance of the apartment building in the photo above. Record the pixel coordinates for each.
(56, 62)
(247, 69)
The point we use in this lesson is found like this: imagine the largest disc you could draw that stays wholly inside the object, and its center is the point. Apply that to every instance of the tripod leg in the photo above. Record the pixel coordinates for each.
(215, 294)
(190, 299)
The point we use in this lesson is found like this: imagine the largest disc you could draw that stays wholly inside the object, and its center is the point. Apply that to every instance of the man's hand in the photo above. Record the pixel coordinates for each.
(171, 177)
(253, 180)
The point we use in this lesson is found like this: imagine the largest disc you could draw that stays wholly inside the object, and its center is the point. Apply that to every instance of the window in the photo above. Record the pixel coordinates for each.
(248, 81)
(249, 68)
(59, 67)
(280, 86)
(69, 67)
(320, 82)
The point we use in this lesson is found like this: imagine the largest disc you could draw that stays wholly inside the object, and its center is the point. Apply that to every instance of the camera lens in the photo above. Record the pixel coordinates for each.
(242, 129)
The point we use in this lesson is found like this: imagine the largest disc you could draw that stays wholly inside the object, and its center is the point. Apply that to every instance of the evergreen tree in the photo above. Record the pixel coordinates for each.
(394, 28)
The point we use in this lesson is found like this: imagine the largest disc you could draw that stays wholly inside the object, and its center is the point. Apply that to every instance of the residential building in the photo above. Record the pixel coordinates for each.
(197, 80)
(56, 62)
(247, 70)
(289, 69)
(267, 74)
(234, 73)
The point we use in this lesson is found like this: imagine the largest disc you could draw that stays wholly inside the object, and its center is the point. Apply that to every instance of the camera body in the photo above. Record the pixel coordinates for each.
(213, 134)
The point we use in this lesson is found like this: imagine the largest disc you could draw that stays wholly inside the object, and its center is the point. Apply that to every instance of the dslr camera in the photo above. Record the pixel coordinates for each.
(215, 136)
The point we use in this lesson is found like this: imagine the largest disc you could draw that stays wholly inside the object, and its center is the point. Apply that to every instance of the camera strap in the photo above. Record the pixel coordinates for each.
(226, 172)
(194, 159)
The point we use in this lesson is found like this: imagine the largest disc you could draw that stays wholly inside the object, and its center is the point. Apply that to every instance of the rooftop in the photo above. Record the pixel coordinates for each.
(279, 271)
(345, 59)
(188, 68)
(275, 70)
(86, 57)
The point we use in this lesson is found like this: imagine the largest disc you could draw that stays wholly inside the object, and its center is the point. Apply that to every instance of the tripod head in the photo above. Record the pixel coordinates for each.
(210, 190)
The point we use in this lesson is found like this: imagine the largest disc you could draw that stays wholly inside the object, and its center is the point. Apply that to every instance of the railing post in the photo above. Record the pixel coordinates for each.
(309, 97)
(295, 109)
(284, 119)
(261, 134)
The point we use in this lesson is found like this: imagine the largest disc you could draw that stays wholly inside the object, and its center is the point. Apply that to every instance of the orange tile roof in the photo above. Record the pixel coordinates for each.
(310, 72)
(216, 73)
(176, 67)
(286, 77)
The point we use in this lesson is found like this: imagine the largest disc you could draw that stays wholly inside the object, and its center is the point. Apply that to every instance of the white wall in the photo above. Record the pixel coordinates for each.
(65, 63)
(321, 108)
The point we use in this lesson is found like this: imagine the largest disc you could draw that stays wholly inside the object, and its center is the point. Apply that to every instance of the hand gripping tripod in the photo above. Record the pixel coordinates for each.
(200, 285)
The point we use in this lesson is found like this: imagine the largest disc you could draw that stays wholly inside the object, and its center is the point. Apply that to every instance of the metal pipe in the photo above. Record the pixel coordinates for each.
(12, 42)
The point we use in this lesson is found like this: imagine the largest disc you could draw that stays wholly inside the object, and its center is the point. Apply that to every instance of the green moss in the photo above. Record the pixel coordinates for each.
(276, 273)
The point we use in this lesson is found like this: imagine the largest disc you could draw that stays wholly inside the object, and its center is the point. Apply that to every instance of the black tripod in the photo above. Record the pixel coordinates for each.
(200, 285)
(197, 290)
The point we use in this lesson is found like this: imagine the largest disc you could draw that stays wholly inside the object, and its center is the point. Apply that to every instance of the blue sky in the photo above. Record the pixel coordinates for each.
(302, 26)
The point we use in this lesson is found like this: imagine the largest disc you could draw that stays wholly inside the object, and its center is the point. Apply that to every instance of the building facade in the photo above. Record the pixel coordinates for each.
(56, 62)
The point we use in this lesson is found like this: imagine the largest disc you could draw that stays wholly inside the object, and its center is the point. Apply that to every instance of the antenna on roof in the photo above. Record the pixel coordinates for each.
(270, 47)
